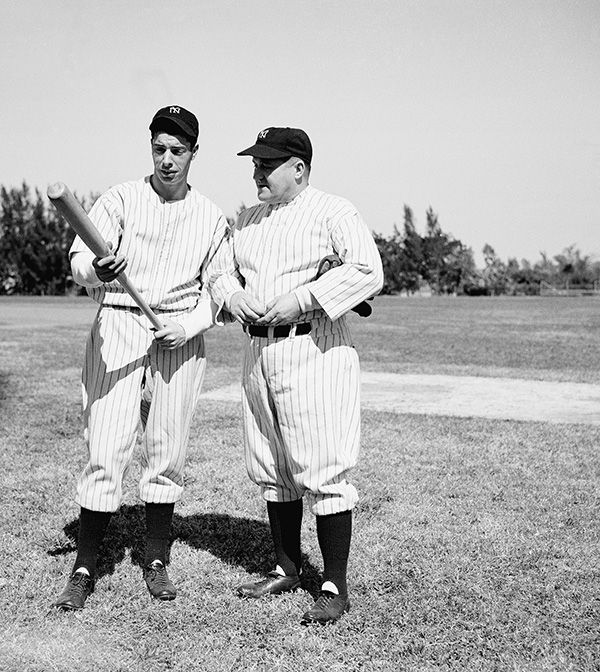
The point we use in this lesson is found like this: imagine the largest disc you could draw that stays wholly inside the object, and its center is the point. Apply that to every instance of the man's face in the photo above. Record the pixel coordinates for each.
(275, 179)
(172, 156)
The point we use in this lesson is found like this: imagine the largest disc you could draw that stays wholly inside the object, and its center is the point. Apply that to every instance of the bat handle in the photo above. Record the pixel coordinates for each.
(123, 280)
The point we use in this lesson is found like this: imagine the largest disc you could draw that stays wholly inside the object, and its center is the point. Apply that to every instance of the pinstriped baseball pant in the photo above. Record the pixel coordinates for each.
(301, 409)
(122, 361)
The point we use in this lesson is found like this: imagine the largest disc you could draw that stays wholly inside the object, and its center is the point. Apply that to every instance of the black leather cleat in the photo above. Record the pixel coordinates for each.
(78, 588)
(158, 582)
(327, 609)
(272, 584)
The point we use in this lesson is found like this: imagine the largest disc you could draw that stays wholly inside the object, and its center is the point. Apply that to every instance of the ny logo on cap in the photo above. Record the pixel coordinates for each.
(174, 110)
(263, 134)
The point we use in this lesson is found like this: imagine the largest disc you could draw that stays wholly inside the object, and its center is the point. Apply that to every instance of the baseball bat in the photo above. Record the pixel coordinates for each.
(69, 207)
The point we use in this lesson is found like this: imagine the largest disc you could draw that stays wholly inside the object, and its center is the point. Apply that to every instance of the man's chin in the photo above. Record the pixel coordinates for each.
(264, 195)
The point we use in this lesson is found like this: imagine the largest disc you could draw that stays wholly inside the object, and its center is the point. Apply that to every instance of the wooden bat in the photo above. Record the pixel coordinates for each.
(70, 208)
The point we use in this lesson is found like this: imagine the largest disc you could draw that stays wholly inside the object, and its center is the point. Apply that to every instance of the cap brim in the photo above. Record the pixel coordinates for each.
(264, 152)
(174, 123)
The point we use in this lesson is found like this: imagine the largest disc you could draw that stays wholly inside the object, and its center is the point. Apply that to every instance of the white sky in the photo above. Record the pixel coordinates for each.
(487, 110)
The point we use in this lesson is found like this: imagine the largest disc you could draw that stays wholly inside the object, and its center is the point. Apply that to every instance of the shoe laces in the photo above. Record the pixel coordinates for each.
(324, 599)
(273, 575)
(155, 570)
(80, 583)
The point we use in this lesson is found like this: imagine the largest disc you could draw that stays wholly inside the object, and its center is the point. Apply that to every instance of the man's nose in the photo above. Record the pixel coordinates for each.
(167, 159)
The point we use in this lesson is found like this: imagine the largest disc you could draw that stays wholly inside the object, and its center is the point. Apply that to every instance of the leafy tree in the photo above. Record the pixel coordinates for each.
(573, 268)
(411, 258)
(447, 264)
(494, 274)
(390, 252)
(34, 244)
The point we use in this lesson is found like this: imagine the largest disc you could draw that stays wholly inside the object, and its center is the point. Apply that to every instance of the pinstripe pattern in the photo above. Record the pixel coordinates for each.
(167, 245)
(277, 248)
(301, 407)
(162, 242)
(301, 395)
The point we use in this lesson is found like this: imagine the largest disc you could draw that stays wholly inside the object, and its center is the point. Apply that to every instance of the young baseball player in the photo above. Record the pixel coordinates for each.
(165, 233)
(300, 378)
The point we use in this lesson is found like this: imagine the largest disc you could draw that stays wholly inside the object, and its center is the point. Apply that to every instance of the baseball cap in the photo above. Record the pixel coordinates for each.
(280, 143)
(175, 115)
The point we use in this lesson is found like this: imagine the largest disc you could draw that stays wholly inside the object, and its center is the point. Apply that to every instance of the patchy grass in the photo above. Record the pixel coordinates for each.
(476, 542)
(541, 338)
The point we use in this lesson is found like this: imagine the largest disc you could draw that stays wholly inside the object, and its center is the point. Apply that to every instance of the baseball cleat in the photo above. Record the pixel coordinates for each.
(273, 584)
(158, 582)
(78, 588)
(328, 608)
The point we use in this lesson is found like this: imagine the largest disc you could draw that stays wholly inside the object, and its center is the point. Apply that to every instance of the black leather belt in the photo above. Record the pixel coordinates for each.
(137, 311)
(280, 331)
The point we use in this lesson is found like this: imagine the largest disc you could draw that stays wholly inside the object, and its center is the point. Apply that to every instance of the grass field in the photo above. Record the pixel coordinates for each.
(476, 542)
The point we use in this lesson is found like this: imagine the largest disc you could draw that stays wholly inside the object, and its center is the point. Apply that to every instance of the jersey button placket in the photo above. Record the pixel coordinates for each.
(166, 239)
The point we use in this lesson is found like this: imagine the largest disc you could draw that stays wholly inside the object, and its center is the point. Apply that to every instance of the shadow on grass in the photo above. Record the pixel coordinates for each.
(235, 541)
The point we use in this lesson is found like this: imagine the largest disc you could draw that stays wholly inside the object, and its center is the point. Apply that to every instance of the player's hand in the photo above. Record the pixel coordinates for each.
(171, 336)
(107, 268)
(245, 308)
(283, 309)
(327, 263)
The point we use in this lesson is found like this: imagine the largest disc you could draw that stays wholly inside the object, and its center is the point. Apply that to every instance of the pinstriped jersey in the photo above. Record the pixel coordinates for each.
(276, 249)
(167, 244)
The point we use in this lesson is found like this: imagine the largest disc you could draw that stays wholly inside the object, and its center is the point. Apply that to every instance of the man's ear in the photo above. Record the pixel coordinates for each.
(300, 169)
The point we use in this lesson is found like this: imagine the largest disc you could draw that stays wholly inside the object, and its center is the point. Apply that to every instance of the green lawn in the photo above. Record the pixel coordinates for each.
(476, 542)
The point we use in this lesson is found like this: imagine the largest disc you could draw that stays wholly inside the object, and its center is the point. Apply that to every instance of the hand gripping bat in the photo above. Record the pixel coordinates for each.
(70, 208)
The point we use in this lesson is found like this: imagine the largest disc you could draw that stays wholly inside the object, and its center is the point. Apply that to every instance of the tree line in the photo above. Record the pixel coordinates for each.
(35, 240)
(444, 265)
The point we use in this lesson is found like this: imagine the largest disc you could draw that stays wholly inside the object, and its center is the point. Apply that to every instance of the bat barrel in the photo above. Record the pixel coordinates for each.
(70, 208)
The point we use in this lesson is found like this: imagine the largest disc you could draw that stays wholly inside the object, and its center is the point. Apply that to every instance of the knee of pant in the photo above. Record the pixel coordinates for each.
(279, 494)
(324, 505)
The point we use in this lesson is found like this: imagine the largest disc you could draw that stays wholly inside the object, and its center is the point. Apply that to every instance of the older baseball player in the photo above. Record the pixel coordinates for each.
(300, 378)
(165, 233)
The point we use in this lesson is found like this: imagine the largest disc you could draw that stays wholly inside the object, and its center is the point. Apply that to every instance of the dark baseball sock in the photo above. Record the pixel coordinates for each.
(285, 519)
(158, 530)
(334, 532)
(92, 528)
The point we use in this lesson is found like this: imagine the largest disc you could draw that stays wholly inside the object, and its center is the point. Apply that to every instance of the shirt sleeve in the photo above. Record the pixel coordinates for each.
(359, 277)
(82, 270)
(224, 277)
(107, 216)
(306, 300)
(208, 312)
(200, 319)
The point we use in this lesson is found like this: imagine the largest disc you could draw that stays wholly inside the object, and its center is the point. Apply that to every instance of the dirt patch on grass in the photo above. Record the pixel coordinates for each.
(470, 396)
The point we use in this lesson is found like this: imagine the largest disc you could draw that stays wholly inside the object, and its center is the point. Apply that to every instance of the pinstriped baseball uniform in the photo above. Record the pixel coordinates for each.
(300, 394)
(168, 246)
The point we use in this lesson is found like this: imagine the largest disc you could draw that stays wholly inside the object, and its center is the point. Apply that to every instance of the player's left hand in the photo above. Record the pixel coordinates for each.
(171, 336)
(283, 309)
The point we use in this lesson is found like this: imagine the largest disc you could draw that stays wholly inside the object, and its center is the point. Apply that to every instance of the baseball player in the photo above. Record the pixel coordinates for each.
(165, 233)
(300, 379)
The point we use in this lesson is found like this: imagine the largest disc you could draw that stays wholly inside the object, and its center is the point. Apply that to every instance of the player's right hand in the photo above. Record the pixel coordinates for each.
(245, 308)
(107, 268)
